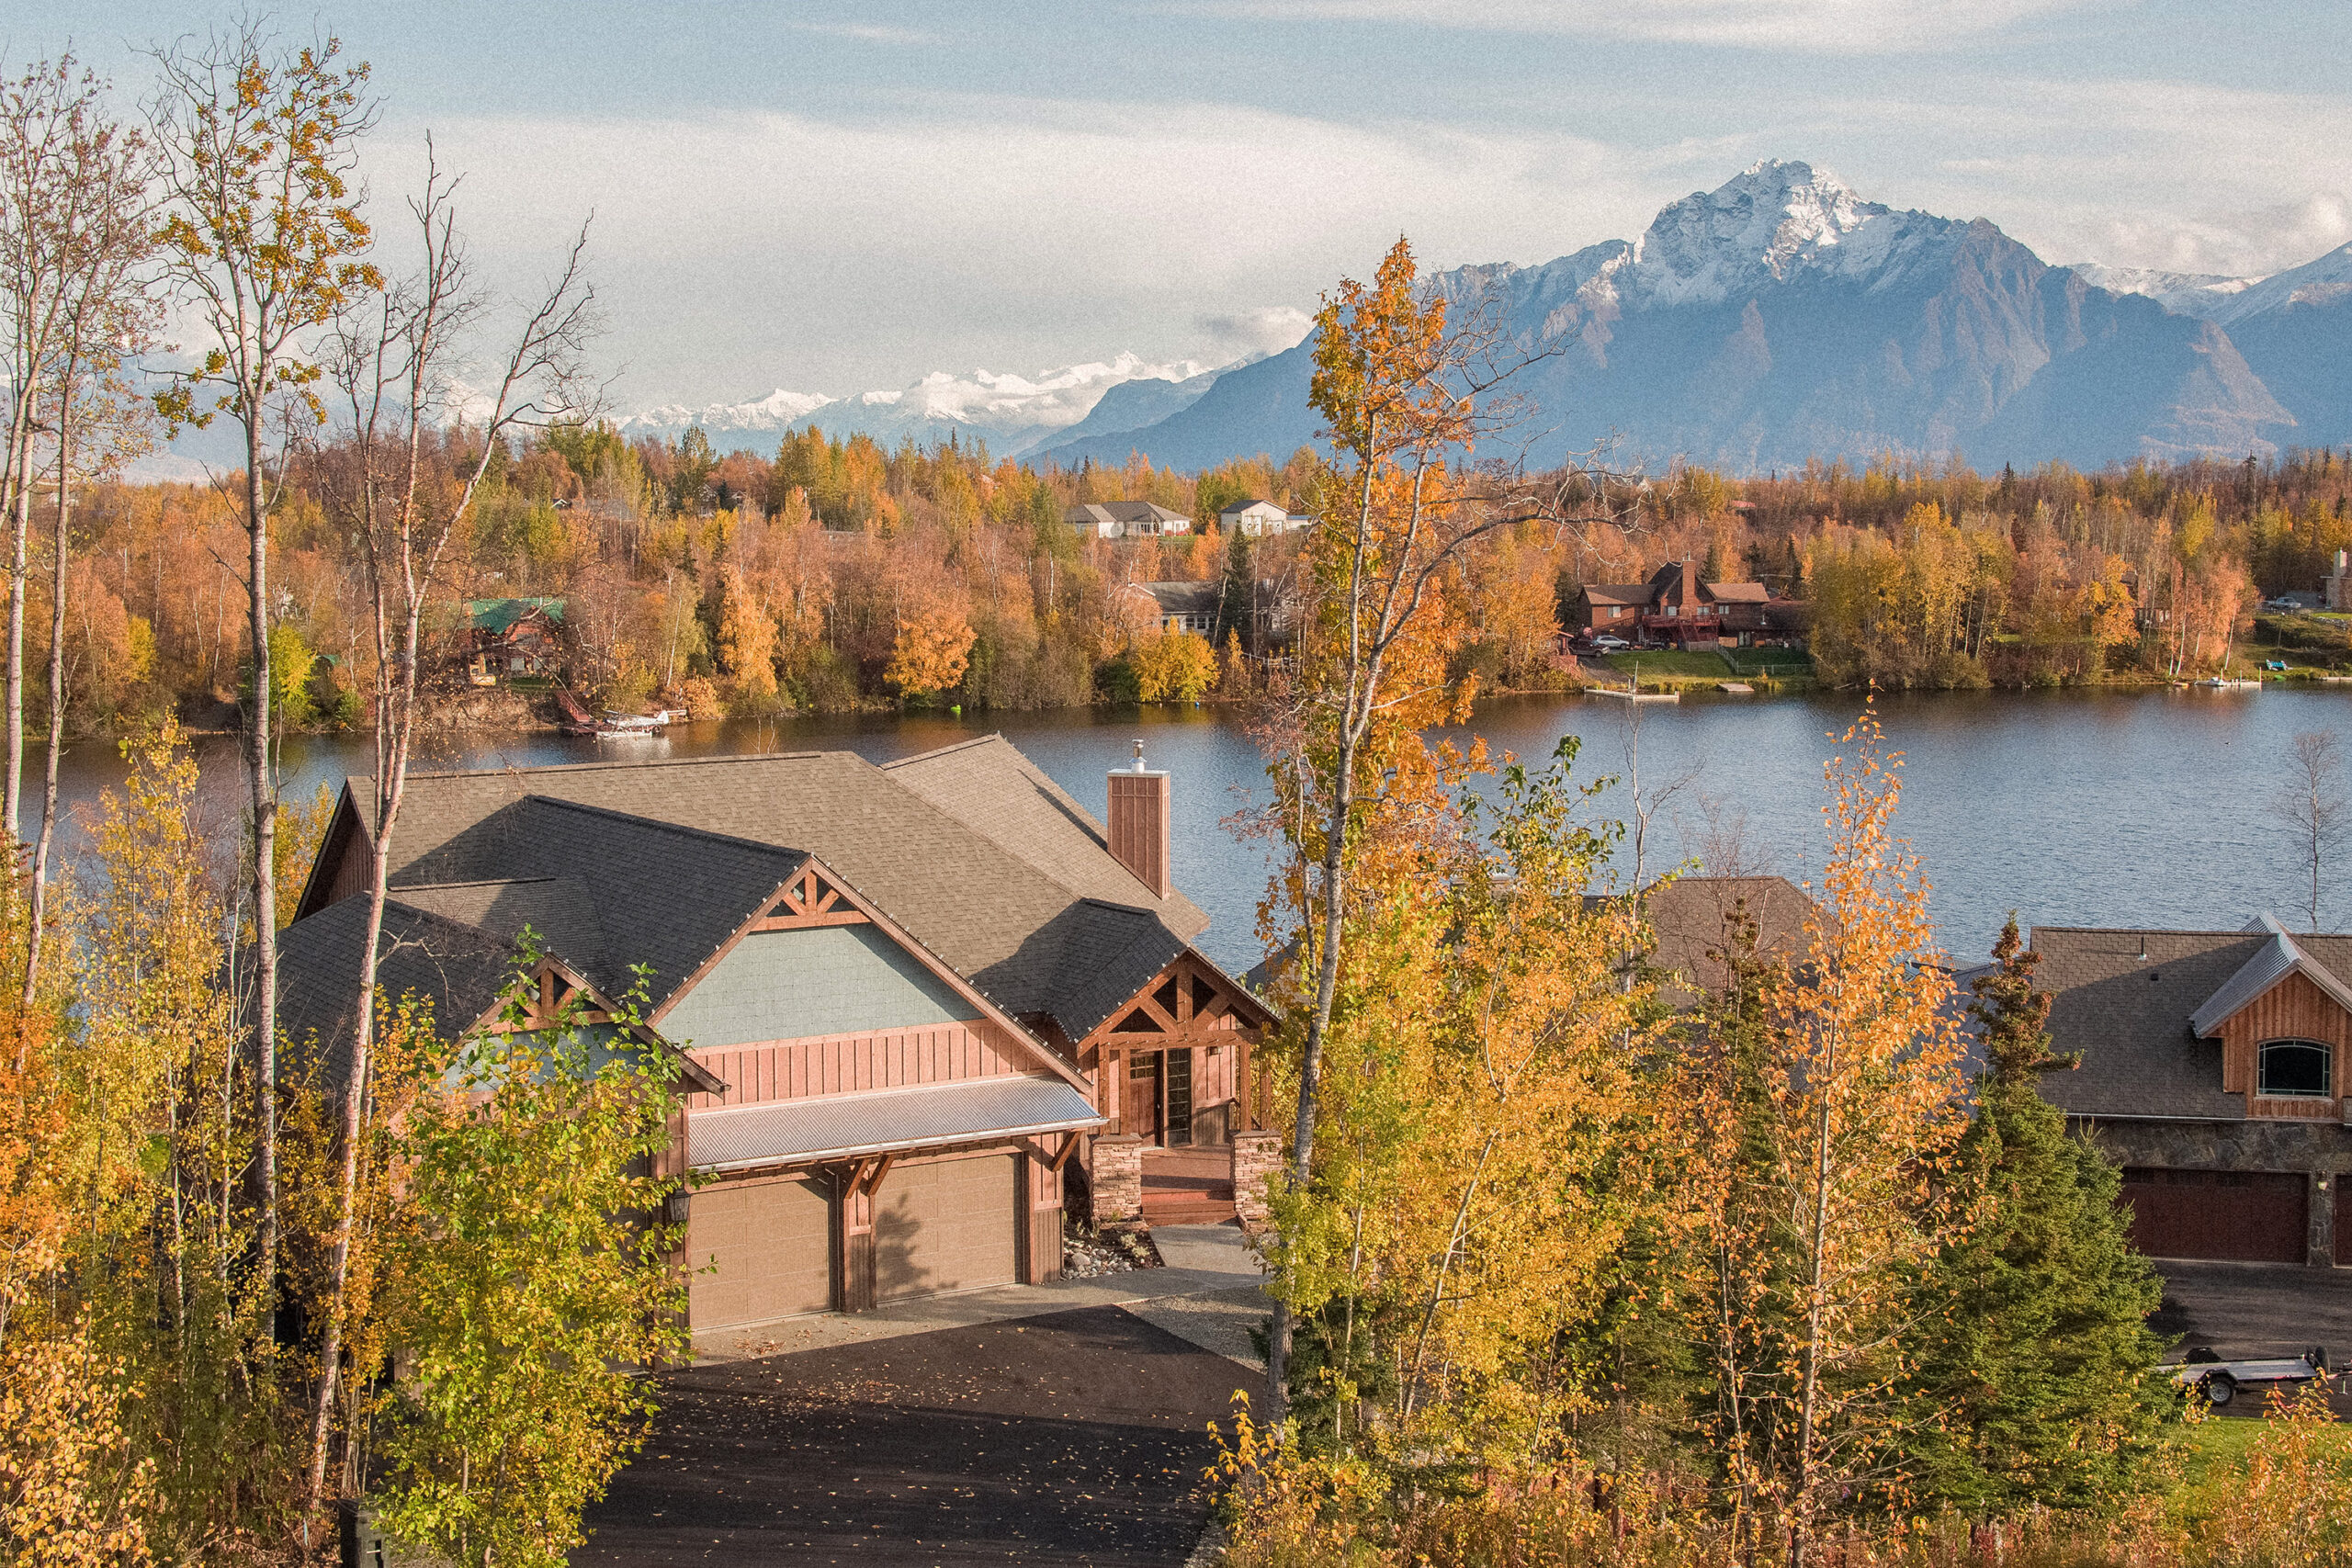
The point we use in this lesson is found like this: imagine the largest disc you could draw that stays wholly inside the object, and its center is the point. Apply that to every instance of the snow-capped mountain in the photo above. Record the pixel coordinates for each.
(2202, 294)
(1783, 317)
(1011, 412)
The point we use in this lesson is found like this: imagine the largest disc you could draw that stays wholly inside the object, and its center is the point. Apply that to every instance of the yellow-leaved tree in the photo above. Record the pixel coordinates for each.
(1174, 667)
(1407, 388)
(1820, 1118)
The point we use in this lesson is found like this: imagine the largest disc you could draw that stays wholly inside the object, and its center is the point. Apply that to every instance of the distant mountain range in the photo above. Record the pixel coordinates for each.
(1779, 318)
(1013, 413)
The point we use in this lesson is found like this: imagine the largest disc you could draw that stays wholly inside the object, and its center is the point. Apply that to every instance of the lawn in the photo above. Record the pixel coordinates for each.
(1653, 662)
(1666, 667)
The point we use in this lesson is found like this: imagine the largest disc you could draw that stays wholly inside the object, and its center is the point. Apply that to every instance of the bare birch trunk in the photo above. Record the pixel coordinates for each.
(56, 723)
(264, 788)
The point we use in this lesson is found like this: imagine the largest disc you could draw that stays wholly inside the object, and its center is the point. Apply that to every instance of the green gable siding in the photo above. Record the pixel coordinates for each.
(795, 984)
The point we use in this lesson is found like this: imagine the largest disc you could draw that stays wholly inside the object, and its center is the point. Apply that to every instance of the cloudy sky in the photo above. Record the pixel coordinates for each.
(833, 198)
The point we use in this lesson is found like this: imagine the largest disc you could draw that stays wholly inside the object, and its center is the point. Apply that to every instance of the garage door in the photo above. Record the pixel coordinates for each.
(2247, 1216)
(946, 1226)
(772, 1240)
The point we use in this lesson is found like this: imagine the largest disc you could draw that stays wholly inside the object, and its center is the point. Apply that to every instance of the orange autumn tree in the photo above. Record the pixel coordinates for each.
(1408, 389)
(1820, 1116)
(931, 653)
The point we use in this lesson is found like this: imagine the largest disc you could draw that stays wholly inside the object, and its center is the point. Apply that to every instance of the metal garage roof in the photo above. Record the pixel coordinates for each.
(797, 1132)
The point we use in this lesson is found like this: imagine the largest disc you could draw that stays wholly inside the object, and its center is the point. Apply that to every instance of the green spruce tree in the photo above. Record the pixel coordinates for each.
(2035, 1379)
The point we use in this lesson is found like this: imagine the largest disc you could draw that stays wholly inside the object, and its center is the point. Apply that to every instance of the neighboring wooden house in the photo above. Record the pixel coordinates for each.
(514, 637)
(2213, 1068)
(1676, 609)
(909, 997)
(1125, 520)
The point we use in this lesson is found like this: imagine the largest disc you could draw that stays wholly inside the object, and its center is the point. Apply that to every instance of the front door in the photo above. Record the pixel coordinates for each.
(1139, 1109)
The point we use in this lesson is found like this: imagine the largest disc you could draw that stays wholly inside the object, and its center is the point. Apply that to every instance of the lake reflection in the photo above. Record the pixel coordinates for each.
(2072, 807)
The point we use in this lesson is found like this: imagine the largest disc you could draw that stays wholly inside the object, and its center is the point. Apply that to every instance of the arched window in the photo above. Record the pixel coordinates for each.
(2296, 1067)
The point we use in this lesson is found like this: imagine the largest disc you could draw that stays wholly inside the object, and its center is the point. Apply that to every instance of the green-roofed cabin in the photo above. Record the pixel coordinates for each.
(513, 636)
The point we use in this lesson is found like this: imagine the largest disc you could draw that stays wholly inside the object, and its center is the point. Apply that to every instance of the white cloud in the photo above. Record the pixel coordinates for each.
(1269, 329)
(766, 249)
(763, 249)
(1832, 27)
(866, 32)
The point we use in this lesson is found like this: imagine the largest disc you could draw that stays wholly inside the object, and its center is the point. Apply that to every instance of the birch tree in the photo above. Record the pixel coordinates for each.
(105, 313)
(265, 245)
(1823, 1127)
(51, 123)
(1408, 393)
(395, 372)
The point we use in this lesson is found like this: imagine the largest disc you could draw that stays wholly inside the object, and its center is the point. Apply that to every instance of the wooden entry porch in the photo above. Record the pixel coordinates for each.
(1188, 1186)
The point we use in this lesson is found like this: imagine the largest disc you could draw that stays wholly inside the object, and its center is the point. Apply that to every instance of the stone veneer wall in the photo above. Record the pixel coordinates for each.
(1256, 1156)
(1116, 1184)
(2321, 1150)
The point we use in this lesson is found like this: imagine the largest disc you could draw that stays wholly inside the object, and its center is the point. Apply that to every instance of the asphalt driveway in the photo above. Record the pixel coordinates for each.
(1077, 1438)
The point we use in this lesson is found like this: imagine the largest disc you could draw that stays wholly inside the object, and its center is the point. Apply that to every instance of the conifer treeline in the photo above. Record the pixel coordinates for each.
(755, 585)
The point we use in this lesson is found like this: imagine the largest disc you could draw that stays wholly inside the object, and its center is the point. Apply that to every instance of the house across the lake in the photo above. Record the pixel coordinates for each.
(1126, 520)
(1674, 607)
(1256, 518)
(513, 636)
(917, 1003)
(2213, 1069)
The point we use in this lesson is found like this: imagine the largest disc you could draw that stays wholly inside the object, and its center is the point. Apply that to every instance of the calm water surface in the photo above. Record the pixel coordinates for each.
(2070, 808)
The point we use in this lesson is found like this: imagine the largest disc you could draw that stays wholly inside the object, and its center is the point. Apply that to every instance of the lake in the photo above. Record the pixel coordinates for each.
(2084, 807)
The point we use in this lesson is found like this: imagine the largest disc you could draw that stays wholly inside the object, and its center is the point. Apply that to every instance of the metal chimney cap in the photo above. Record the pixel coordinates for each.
(1139, 767)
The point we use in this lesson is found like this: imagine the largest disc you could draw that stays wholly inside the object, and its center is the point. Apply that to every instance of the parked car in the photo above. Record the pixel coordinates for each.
(2218, 1381)
(1604, 643)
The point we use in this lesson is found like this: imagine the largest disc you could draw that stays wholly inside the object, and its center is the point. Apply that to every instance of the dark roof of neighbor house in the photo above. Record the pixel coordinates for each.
(499, 616)
(970, 850)
(1690, 918)
(2134, 1019)
(1618, 593)
(1184, 598)
(1241, 506)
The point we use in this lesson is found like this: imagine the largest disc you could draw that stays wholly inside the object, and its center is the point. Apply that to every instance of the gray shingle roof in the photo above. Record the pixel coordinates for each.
(2278, 956)
(2129, 1017)
(971, 849)
(459, 970)
(931, 1116)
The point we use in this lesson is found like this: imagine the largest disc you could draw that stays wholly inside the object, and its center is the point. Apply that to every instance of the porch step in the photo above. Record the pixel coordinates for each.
(1187, 1186)
(1187, 1213)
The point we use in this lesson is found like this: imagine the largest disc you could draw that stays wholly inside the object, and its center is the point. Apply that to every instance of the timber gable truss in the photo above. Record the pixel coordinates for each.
(815, 896)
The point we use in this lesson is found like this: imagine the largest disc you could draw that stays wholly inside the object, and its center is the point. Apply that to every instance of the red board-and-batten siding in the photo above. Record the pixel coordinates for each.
(853, 1064)
(2294, 1008)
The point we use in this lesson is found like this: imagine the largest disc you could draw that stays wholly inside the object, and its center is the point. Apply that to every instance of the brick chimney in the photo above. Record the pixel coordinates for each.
(1139, 823)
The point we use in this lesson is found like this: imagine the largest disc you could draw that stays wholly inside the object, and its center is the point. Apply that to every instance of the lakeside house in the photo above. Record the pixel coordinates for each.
(1675, 608)
(506, 638)
(2211, 1067)
(1125, 520)
(1267, 623)
(919, 1007)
